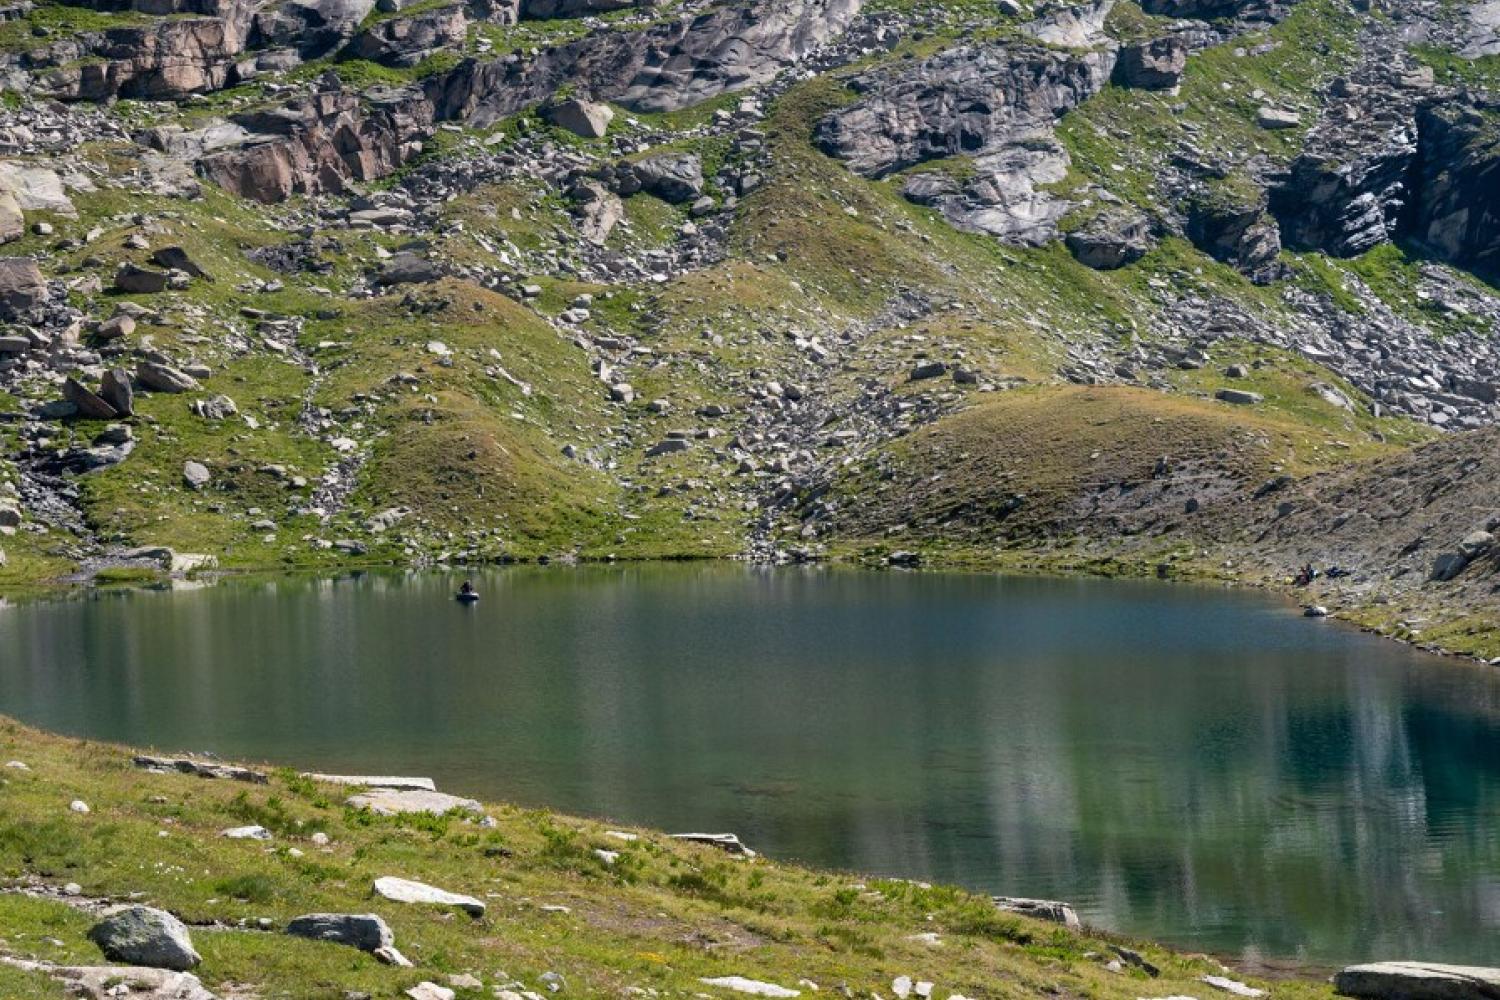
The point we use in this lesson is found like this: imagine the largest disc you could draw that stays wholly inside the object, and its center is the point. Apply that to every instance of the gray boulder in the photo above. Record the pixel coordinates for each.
(365, 931)
(12, 222)
(164, 378)
(22, 287)
(408, 269)
(177, 259)
(115, 389)
(196, 475)
(1239, 397)
(583, 118)
(1154, 65)
(141, 935)
(672, 177)
(90, 406)
(1110, 240)
(395, 801)
(597, 208)
(134, 278)
(1417, 981)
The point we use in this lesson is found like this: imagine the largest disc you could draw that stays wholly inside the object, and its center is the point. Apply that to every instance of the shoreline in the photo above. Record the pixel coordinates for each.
(1114, 963)
(1019, 563)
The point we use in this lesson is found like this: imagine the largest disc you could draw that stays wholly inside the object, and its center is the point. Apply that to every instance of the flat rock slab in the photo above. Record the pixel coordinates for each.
(1239, 989)
(102, 982)
(375, 781)
(202, 768)
(1418, 981)
(726, 842)
(395, 801)
(400, 890)
(754, 987)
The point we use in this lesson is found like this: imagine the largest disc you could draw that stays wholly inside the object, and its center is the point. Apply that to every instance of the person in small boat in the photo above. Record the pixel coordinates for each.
(466, 590)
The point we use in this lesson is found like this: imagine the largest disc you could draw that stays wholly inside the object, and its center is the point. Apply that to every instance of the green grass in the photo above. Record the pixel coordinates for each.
(640, 923)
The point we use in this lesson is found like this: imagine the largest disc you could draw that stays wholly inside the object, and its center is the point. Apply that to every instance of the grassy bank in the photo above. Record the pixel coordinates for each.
(659, 917)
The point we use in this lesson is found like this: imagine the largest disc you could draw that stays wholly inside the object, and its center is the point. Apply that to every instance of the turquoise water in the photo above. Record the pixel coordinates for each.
(1195, 765)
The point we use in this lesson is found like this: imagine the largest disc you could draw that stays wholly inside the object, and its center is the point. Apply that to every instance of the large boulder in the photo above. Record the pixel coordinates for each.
(1417, 981)
(1112, 239)
(672, 177)
(1157, 64)
(90, 405)
(115, 389)
(408, 269)
(597, 208)
(22, 287)
(586, 119)
(134, 278)
(141, 935)
(163, 378)
(365, 931)
(12, 222)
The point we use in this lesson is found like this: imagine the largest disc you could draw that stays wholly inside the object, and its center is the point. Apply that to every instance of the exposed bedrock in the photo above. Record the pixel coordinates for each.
(664, 67)
(996, 104)
(319, 144)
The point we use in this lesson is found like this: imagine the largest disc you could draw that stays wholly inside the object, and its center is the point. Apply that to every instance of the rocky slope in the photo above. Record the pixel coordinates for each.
(293, 283)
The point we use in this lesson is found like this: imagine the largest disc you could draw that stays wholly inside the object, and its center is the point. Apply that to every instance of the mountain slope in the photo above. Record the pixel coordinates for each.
(499, 280)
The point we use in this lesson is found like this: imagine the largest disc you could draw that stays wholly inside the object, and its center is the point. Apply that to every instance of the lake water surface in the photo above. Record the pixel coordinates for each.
(1188, 764)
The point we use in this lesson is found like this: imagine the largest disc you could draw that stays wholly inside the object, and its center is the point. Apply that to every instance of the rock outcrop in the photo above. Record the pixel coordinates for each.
(1347, 190)
(664, 67)
(321, 143)
(1457, 210)
(406, 41)
(996, 104)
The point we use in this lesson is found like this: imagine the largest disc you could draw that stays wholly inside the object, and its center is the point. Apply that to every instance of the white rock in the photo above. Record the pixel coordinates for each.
(400, 890)
(1231, 986)
(430, 991)
(901, 986)
(247, 833)
(79, 806)
(395, 801)
(754, 987)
